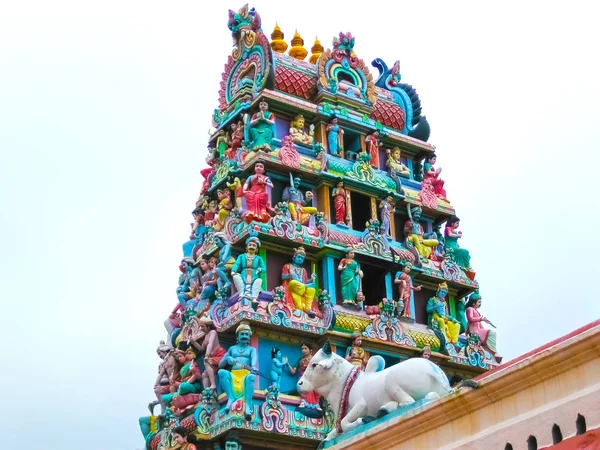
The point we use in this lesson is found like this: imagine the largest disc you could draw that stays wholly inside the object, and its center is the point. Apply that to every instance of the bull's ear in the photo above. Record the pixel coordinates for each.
(327, 348)
(326, 364)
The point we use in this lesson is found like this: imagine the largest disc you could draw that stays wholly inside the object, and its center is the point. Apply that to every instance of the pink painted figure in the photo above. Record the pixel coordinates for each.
(487, 337)
(257, 197)
(373, 145)
(406, 287)
(433, 174)
(237, 137)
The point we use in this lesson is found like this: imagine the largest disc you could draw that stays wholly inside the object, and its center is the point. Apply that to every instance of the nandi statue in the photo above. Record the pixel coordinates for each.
(353, 394)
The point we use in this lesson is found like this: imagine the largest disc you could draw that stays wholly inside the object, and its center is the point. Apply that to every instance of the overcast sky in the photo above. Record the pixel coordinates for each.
(104, 113)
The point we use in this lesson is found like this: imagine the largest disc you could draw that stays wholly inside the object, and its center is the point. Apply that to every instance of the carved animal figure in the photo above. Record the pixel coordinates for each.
(354, 394)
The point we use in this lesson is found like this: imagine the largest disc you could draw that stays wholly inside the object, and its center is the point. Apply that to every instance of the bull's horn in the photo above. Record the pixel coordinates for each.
(327, 348)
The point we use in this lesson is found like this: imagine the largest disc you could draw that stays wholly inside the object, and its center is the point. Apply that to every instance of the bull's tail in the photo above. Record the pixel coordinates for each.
(467, 383)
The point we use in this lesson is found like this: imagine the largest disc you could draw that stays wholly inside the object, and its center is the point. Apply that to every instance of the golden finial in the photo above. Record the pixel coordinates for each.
(316, 50)
(298, 51)
(277, 43)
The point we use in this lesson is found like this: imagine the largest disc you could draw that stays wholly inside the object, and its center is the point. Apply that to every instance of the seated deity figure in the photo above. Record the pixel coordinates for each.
(224, 208)
(415, 234)
(237, 370)
(209, 279)
(246, 272)
(191, 378)
(262, 128)
(432, 175)
(186, 290)
(297, 131)
(438, 317)
(395, 168)
(255, 192)
(297, 204)
(299, 287)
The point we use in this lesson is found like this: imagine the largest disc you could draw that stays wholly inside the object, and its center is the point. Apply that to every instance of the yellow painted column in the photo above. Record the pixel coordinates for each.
(324, 201)
(363, 143)
(393, 224)
(373, 208)
(348, 208)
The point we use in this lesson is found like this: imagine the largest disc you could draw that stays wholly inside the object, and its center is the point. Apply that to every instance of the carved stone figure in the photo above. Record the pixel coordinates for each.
(222, 140)
(297, 204)
(351, 280)
(246, 271)
(487, 337)
(387, 208)
(257, 197)
(186, 290)
(297, 132)
(238, 192)
(405, 287)
(310, 400)
(208, 345)
(262, 128)
(460, 256)
(299, 288)
(184, 439)
(278, 362)
(432, 174)
(415, 234)
(191, 378)
(395, 168)
(225, 260)
(353, 395)
(335, 137)
(355, 353)
(238, 379)
(438, 316)
(373, 146)
(237, 138)
(339, 203)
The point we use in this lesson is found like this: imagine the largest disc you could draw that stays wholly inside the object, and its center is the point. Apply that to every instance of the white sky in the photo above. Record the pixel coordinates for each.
(104, 113)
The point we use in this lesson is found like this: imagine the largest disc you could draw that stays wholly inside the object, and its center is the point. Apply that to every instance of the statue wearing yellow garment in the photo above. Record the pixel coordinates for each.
(438, 317)
(299, 288)
(297, 204)
(237, 370)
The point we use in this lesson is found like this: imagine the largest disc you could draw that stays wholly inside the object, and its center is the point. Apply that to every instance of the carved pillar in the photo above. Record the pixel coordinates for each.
(263, 275)
(329, 272)
(373, 208)
(389, 287)
(348, 208)
(324, 202)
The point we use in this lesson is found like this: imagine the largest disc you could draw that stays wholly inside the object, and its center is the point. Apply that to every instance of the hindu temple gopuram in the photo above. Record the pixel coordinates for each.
(323, 287)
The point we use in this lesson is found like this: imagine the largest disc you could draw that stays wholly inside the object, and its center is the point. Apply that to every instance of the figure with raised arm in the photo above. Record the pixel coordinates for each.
(237, 370)
(487, 337)
(262, 128)
(300, 208)
(405, 287)
(278, 362)
(299, 288)
(438, 316)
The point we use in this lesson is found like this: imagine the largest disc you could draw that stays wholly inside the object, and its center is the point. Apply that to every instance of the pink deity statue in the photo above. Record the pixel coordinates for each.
(373, 145)
(432, 174)
(339, 203)
(405, 286)
(256, 195)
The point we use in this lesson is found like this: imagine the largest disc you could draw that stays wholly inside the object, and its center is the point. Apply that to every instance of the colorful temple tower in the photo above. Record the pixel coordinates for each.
(322, 221)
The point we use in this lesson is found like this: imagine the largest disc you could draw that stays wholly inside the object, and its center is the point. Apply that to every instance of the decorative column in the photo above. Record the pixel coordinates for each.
(263, 274)
(329, 273)
(389, 287)
(348, 209)
(324, 201)
(373, 208)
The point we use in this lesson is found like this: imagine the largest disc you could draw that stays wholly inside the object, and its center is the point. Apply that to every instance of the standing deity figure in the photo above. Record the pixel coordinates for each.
(246, 271)
(416, 235)
(257, 197)
(373, 145)
(242, 361)
(405, 287)
(351, 280)
(355, 353)
(262, 128)
(387, 208)
(222, 140)
(299, 287)
(438, 317)
(460, 256)
(278, 362)
(225, 262)
(487, 337)
(297, 204)
(297, 132)
(339, 203)
(224, 208)
(395, 168)
(237, 138)
(309, 406)
(167, 370)
(208, 345)
(431, 174)
(335, 137)
(238, 192)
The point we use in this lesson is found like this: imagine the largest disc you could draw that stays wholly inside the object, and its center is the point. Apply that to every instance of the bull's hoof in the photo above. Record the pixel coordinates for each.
(382, 412)
(368, 419)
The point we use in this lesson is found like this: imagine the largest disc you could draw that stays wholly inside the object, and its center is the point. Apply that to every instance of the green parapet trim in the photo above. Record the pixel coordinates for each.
(314, 269)
(263, 275)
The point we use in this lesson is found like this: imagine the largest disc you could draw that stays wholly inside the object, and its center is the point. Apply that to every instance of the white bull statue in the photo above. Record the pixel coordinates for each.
(354, 395)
